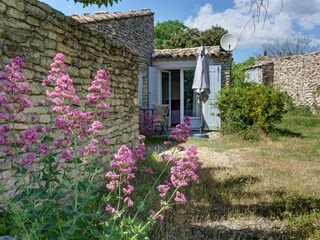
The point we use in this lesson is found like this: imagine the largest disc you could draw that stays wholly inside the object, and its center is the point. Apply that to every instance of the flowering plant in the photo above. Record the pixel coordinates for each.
(147, 124)
(58, 171)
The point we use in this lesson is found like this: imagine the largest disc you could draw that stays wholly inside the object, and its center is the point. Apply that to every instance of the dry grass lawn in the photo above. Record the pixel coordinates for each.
(261, 190)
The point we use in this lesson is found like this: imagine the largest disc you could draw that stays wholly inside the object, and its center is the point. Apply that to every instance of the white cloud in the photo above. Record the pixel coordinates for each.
(281, 21)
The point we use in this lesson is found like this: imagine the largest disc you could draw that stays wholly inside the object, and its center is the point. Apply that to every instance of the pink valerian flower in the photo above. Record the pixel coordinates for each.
(147, 123)
(98, 93)
(123, 160)
(167, 157)
(139, 153)
(163, 189)
(155, 215)
(112, 175)
(43, 149)
(66, 154)
(148, 170)
(26, 160)
(7, 150)
(72, 120)
(183, 169)
(111, 209)
(95, 127)
(181, 131)
(167, 143)
(128, 190)
(28, 136)
(12, 90)
(180, 198)
(112, 185)
(62, 166)
(128, 201)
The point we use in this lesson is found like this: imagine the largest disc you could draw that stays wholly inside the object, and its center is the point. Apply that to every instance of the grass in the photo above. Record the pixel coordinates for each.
(254, 190)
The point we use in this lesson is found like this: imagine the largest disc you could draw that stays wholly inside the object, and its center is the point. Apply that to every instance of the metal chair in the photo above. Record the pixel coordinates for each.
(161, 111)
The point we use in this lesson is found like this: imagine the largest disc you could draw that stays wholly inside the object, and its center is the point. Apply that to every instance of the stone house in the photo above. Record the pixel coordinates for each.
(165, 76)
(298, 75)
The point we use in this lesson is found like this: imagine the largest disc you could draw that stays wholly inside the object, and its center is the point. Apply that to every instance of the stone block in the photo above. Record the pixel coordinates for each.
(35, 11)
(32, 55)
(37, 43)
(14, 13)
(33, 21)
(18, 5)
(12, 49)
(2, 7)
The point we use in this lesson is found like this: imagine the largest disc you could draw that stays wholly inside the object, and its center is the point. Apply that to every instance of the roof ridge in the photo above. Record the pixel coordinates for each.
(104, 15)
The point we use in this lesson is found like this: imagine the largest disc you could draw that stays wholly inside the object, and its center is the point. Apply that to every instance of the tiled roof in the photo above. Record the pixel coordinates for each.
(100, 16)
(186, 52)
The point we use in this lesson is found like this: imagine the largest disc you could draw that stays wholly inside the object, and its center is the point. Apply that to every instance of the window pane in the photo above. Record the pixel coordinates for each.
(191, 104)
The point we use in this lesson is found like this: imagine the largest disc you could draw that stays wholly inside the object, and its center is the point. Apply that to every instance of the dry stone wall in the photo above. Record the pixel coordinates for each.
(134, 29)
(36, 32)
(298, 75)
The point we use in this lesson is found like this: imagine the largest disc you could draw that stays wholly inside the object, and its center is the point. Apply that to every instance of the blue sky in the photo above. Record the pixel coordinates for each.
(294, 16)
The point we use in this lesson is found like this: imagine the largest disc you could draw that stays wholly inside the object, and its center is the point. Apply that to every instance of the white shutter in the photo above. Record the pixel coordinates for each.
(152, 87)
(210, 113)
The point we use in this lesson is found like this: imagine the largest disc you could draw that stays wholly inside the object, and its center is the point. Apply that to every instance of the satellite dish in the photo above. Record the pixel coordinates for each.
(228, 42)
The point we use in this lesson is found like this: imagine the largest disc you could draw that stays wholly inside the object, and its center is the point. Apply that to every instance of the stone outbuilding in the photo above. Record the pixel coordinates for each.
(165, 76)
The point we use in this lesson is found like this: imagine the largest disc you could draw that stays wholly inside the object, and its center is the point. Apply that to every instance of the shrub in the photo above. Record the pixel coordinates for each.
(250, 106)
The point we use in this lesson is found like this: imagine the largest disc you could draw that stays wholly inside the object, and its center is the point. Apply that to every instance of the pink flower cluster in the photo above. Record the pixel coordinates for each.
(147, 123)
(184, 168)
(124, 166)
(181, 131)
(13, 90)
(74, 122)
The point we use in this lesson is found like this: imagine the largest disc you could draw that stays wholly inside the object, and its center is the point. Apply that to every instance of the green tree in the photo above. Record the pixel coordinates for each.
(165, 30)
(98, 2)
(190, 37)
(174, 34)
(212, 36)
(238, 70)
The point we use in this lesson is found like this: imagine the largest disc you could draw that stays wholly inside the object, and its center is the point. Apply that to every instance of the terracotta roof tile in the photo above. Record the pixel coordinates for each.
(100, 16)
(186, 52)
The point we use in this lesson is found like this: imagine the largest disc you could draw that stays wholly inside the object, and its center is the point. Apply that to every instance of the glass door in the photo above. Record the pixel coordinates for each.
(191, 104)
(165, 97)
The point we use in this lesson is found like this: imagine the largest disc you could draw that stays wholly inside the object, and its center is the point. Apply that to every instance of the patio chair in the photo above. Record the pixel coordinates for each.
(161, 111)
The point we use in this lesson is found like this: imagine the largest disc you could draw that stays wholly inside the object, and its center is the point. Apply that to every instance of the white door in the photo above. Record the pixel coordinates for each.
(210, 113)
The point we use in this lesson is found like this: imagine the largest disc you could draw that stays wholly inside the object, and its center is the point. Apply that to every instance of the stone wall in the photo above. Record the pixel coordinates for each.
(298, 75)
(37, 32)
(134, 29)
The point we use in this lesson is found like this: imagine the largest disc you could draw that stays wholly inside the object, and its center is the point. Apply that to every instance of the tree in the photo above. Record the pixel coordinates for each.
(98, 2)
(190, 37)
(299, 44)
(174, 34)
(165, 30)
(212, 36)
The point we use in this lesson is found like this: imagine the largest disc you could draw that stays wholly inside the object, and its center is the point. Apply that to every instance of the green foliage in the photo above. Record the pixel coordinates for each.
(190, 37)
(100, 3)
(174, 34)
(212, 36)
(238, 70)
(165, 30)
(250, 107)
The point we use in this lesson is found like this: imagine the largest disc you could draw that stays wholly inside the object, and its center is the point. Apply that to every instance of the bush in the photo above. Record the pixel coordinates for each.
(249, 106)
